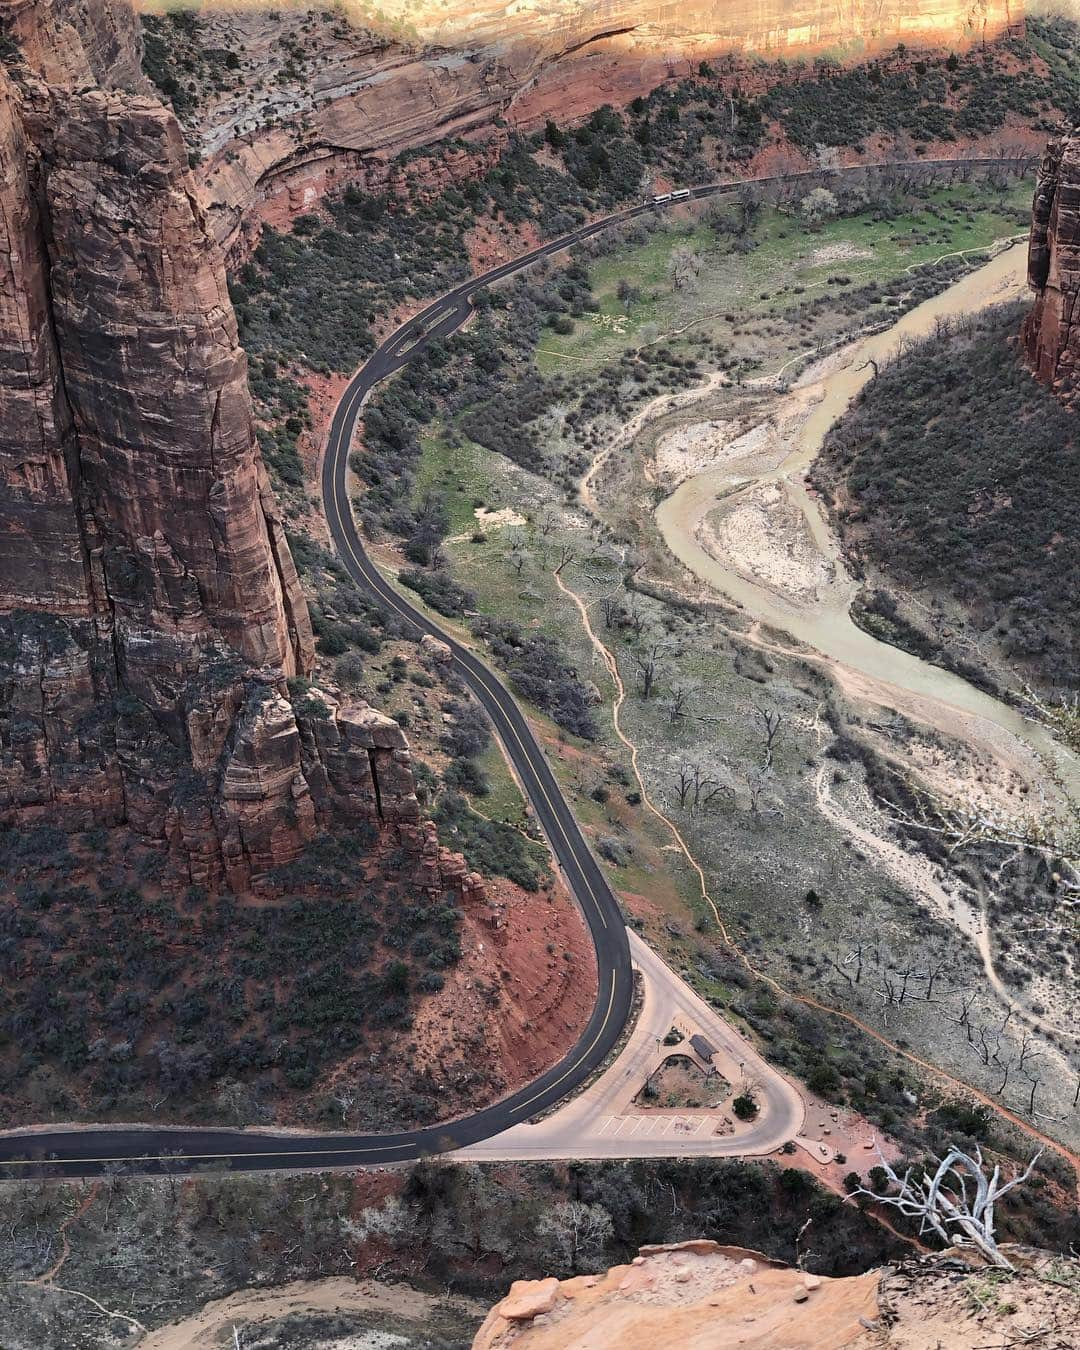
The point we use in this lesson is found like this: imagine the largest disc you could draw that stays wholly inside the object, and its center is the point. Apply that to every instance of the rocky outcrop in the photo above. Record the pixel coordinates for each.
(154, 381)
(696, 1295)
(700, 1296)
(150, 612)
(76, 42)
(1052, 330)
(319, 100)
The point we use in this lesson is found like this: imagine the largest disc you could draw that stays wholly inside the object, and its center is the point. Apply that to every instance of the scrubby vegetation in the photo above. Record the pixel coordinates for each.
(489, 846)
(956, 472)
(460, 1228)
(538, 671)
(178, 60)
(122, 990)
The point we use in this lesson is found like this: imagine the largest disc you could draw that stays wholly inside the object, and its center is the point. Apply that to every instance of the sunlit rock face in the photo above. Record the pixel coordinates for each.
(367, 89)
(748, 25)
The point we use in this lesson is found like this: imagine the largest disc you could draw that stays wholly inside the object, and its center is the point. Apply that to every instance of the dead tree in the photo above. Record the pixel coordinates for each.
(933, 971)
(1026, 1051)
(842, 972)
(635, 620)
(887, 994)
(984, 1049)
(963, 1018)
(906, 975)
(706, 790)
(1006, 1069)
(680, 696)
(610, 605)
(857, 954)
(647, 661)
(770, 723)
(957, 1202)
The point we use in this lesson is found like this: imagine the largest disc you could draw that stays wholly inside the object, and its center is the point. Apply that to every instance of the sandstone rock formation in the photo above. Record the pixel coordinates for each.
(322, 97)
(1052, 329)
(695, 1295)
(700, 1296)
(150, 612)
(77, 43)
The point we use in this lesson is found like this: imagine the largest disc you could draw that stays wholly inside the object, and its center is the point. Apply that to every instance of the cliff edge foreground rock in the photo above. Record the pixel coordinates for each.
(701, 1296)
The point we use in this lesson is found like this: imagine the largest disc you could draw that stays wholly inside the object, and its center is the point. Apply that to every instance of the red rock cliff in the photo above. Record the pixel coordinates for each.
(320, 96)
(150, 612)
(1052, 329)
(78, 42)
(156, 383)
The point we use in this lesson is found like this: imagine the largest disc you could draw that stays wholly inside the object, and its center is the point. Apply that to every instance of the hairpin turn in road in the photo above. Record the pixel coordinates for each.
(76, 1151)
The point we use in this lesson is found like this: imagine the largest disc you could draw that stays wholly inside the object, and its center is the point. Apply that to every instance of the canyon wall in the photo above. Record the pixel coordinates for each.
(78, 42)
(1051, 331)
(320, 96)
(150, 612)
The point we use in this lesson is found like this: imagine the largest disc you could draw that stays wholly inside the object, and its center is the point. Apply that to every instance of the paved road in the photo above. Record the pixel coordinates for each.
(602, 1121)
(75, 1151)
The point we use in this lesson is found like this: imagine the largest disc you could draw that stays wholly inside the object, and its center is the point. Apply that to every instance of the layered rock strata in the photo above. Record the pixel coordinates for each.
(150, 612)
(321, 97)
(1052, 330)
(78, 42)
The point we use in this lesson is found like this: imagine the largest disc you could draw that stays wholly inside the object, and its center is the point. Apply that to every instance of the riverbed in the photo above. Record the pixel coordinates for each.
(754, 533)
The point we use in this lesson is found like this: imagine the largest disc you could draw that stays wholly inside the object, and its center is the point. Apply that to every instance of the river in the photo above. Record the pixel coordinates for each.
(819, 616)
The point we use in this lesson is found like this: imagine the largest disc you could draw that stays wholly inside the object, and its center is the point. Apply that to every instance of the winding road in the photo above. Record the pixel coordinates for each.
(75, 1151)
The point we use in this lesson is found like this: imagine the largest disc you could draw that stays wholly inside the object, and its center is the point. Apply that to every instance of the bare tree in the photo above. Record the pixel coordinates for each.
(566, 556)
(756, 779)
(647, 661)
(843, 973)
(344, 1098)
(707, 790)
(635, 619)
(683, 267)
(962, 1018)
(610, 607)
(907, 974)
(857, 954)
(770, 723)
(680, 695)
(933, 971)
(578, 1232)
(1006, 1069)
(957, 1202)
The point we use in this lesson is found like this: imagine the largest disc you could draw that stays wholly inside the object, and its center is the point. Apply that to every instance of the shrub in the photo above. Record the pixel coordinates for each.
(440, 591)
(744, 1105)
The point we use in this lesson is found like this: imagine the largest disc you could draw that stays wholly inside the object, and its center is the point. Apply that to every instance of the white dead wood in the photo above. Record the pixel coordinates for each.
(957, 1202)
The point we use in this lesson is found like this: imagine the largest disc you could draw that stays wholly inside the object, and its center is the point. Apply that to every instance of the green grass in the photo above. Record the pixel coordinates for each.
(461, 473)
(503, 800)
(767, 280)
